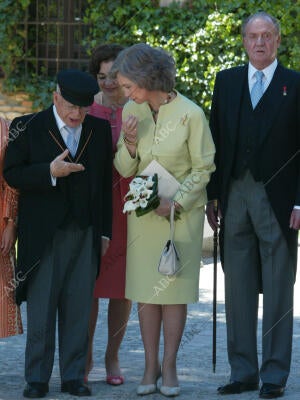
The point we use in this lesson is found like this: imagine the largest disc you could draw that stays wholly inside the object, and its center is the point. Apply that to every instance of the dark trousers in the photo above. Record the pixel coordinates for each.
(62, 285)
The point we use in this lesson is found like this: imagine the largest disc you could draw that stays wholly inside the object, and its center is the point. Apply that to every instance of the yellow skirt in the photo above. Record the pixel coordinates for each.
(146, 238)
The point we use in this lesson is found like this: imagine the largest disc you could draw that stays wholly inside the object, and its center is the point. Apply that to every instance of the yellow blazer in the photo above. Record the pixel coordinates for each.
(180, 141)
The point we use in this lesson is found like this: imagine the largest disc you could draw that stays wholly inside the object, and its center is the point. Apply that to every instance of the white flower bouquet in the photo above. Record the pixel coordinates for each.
(142, 196)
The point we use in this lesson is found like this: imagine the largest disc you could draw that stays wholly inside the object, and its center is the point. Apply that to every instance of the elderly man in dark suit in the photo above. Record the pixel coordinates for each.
(61, 160)
(255, 122)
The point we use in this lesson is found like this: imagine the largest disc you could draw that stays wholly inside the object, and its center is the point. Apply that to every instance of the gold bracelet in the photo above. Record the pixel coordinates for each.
(126, 141)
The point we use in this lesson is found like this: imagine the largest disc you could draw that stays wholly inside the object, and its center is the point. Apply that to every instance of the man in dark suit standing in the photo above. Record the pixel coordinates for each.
(255, 122)
(61, 160)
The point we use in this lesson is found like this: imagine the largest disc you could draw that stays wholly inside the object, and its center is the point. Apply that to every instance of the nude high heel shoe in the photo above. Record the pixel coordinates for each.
(170, 391)
(143, 390)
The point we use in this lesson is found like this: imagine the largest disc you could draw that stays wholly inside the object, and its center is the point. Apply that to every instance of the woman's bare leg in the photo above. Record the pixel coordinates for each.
(174, 318)
(117, 318)
(150, 317)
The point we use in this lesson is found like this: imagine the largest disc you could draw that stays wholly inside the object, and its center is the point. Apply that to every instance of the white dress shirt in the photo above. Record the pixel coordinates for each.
(64, 134)
(268, 75)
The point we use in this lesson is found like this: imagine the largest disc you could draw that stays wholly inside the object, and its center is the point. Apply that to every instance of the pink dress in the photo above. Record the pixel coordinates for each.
(10, 318)
(111, 280)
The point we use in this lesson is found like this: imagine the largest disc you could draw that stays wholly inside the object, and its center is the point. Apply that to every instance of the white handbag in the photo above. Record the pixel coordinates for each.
(169, 263)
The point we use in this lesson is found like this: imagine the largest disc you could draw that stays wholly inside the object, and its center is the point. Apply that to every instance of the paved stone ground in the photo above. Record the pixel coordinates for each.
(194, 360)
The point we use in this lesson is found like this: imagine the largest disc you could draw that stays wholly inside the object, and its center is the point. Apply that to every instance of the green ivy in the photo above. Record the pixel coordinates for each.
(203, 36)
(12, 33)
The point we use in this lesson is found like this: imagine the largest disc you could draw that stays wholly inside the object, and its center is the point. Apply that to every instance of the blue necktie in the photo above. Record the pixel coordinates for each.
(257, 89)
(71, 140)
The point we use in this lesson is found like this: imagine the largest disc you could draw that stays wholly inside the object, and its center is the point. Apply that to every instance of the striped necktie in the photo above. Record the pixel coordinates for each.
(257, 89)
(71, 140)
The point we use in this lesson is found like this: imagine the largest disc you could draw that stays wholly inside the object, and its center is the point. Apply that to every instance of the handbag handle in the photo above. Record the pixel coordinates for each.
(172, 224)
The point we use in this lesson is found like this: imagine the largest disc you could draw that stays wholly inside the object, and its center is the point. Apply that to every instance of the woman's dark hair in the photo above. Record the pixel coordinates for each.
(103, 52)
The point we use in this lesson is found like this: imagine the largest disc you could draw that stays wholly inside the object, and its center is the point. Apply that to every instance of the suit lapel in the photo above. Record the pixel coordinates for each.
(83, 137)
(53, 140)
(272, 100)
(236, 89)
(86, 134)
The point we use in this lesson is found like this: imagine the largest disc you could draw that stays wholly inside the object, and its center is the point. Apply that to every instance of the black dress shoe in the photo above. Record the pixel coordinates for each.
(271, 391)
(36, 390)
(237, 387)
(76, 388)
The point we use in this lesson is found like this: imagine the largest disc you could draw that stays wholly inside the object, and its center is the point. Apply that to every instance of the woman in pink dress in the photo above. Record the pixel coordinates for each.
(10, 318)
(110, 284)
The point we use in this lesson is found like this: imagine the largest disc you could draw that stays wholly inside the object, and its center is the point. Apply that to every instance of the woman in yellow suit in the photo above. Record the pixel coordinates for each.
(161, 124)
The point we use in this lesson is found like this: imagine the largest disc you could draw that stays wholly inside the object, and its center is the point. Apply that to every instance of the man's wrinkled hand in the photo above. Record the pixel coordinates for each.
(213, 217)
(104, 245)
(59, 167)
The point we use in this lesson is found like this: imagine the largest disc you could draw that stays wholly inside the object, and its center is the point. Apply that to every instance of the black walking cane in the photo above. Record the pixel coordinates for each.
(214, 354)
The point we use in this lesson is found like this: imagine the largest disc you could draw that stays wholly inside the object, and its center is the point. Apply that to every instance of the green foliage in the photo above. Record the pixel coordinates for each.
(203, 36)
(12, 33)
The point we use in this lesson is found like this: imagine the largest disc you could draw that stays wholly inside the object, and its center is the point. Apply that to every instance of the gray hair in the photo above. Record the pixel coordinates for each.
(262, 15)
(151, 68)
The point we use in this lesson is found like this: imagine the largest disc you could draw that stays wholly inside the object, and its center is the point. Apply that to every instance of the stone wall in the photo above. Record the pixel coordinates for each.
(14, 105)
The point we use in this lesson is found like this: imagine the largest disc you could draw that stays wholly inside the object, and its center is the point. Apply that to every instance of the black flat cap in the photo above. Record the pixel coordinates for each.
(77, 87)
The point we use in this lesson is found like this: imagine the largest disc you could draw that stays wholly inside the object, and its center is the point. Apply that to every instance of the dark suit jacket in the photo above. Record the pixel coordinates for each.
(82, 196)
(277, 157)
